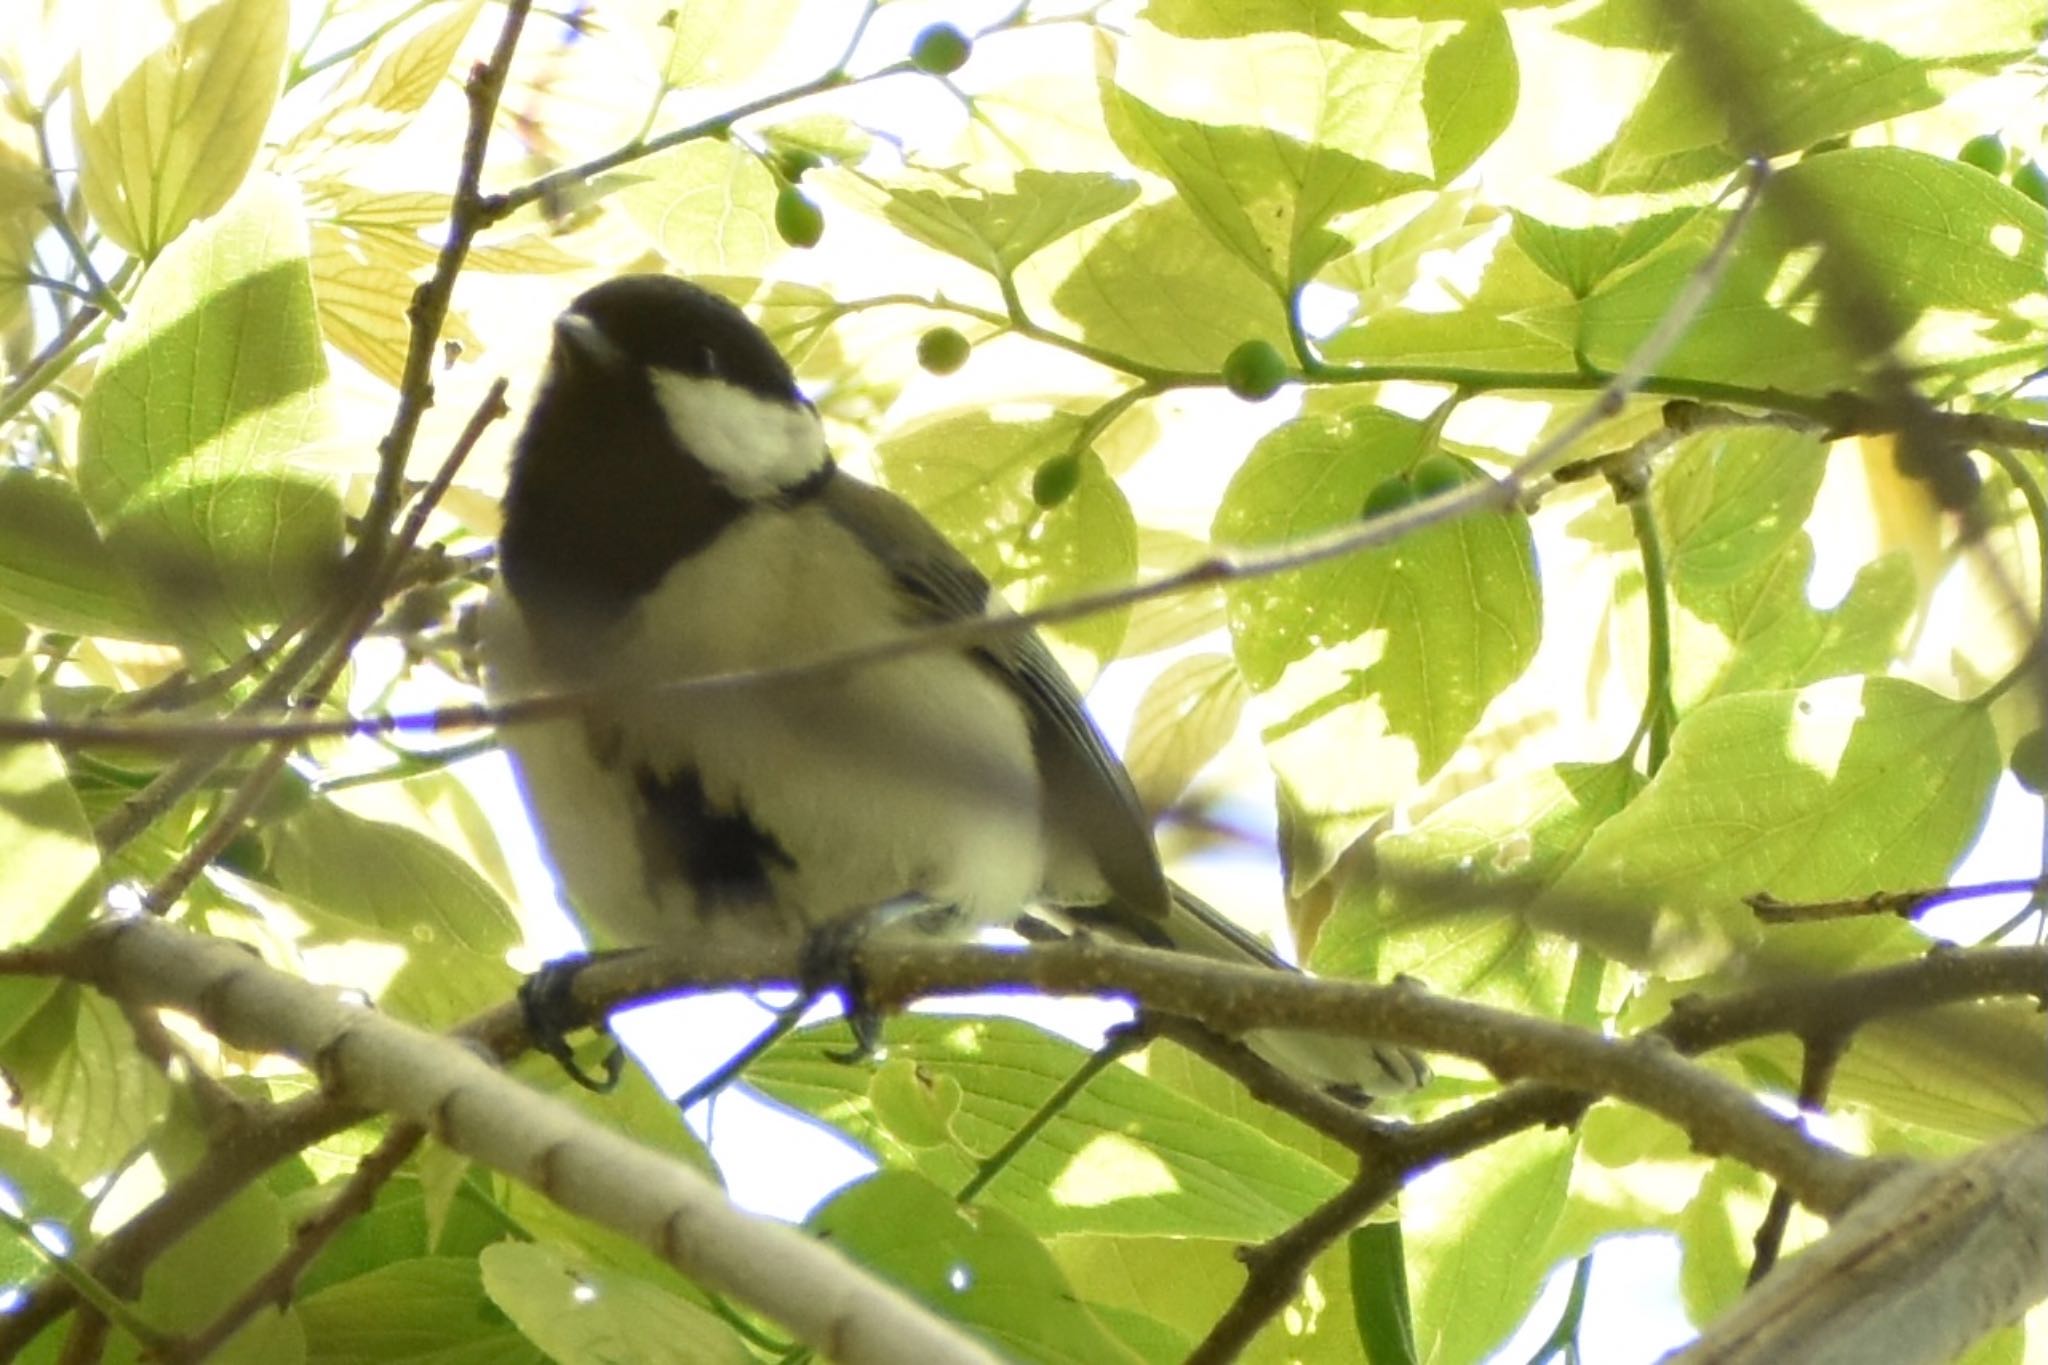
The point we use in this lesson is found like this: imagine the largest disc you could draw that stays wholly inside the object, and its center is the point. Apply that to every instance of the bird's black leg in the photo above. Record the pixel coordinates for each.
(547, 1005)
(831, 961)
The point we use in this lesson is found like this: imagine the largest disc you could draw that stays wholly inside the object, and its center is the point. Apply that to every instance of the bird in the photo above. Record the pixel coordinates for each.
(672, 510)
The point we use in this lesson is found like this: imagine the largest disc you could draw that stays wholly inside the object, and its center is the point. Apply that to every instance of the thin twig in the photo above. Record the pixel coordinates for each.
(226, 823)
(274, 1287)
(1905, 904)
(1222, 566)
(1821, 1054)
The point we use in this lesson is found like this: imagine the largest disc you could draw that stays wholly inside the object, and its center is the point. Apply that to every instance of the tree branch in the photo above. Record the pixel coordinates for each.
(1928, 1262)
(367, 1061)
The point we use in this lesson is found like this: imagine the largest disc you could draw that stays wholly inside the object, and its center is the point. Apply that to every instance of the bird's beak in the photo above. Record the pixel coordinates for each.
(579, 345)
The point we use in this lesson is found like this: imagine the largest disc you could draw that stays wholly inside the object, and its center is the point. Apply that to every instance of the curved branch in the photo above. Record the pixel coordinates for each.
(368, 1061)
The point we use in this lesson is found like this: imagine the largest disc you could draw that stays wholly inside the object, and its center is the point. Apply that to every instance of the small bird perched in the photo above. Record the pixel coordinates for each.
(673, 512)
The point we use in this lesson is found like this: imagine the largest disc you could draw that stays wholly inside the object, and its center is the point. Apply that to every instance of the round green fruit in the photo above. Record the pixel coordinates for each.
(1056, 480)
(1986, 152)
(1254, 371)
(2030, 761)
(2032, 181)
(942, 350)
(940, 50)
(1439, 473)
(799, 222)
(1388, 495)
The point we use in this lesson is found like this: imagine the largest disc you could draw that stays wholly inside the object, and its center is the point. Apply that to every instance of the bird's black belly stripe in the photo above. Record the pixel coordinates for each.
(724, 855)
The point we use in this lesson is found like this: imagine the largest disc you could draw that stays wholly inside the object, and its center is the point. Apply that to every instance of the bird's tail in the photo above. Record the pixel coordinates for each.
(1352, 1069)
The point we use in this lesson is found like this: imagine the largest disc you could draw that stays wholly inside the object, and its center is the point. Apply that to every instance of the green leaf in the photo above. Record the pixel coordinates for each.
(1771, 636)
(1128, 1156)
(1265, 196)
(1803, 75)
(1732, 500)
(1185, 718)
(1518, 319)
(1579, 258)
(395, 933)
(1161, 1295)
(580, 1313)
(41, 1193)
(1443, 901)
(1403, 246)
(207, 1269)
(203, 395)
(1373, 668)
(428, 1310)
(399, 227)
(1973, 1070)
(1476, 1235)
(170, 112)
(392, 879)
(401, 1224)
(1469, 87)
(1840, 789)
(714, 42)
(976, 1266)
(1330, 20)
(1748, 327)
(708, 206)
(54, 567)
(1948, 257)
(1717, 1230)
(84, 1079)
(989, 229)
(1379, 1294)
(383, 89)
(47, 853)
(2006, 1346)
(972, 476)
(1158, 289)
(1930, 235)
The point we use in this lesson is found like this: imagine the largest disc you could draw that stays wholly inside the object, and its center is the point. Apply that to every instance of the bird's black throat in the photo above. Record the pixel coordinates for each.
(602, 501)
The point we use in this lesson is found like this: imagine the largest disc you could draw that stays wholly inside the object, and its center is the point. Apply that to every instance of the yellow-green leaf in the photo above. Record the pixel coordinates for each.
(46, 847)
(204, 394)
(384, 87)
(171, 104)
(1184, 719)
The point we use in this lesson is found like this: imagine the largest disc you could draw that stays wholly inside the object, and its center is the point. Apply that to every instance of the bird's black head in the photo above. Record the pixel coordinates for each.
(660, 323)
(663, 416)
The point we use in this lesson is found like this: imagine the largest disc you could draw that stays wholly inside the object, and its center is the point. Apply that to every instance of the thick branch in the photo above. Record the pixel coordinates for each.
(1928, 1262)
(367, 1060)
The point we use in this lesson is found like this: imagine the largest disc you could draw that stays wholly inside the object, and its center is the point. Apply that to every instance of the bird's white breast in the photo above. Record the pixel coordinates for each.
(911, 776)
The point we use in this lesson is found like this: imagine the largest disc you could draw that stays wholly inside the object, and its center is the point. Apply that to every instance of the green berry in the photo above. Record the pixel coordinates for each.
(1056, 480)
(1254, 371)
(800, 222)
(1440, 473)
(942, 350)
(2030, 761)
(245, 855)
(940, 50)
(1984, 151)
(1388, 495)
(2032, 181)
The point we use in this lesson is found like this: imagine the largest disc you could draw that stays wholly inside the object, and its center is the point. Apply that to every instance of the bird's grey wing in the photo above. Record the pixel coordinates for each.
(1091, 807)
(1090, 802)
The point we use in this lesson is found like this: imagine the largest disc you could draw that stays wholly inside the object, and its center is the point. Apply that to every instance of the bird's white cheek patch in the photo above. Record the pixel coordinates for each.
(755, 446)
